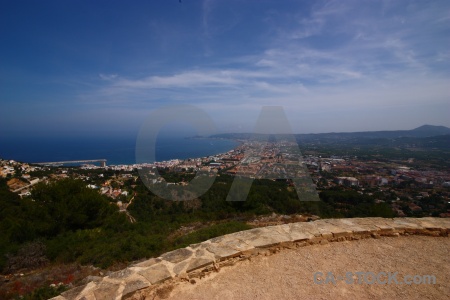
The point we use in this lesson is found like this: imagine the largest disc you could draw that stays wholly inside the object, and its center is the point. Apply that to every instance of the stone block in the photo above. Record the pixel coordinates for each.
(404, 224)
(156, 273)
(199, 262)
(236, 244)
(122, 274)
(262, 241)
(279, 234)
(134, 285)
(303, 231)
(148, 262)
(180, 267)
(203, 253)
(222, 251)
(177, 255)
(88, 296)
(310, 227)
(76, 291)
(339, 234)
(430, 223)
(352, 227)
(106, 291)
(326, 235)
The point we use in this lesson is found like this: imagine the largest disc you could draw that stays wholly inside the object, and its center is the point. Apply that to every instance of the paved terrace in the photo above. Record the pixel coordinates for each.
(199, 259)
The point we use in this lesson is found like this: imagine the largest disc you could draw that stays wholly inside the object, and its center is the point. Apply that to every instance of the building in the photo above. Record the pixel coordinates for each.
(347, 181)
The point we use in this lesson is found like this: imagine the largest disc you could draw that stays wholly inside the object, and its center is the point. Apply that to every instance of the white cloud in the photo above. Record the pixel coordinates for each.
(107, 76)
(374, 58)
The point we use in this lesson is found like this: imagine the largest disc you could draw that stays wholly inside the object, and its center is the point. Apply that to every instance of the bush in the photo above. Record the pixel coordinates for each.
(31, 255)
(45, 292)
(210, 232)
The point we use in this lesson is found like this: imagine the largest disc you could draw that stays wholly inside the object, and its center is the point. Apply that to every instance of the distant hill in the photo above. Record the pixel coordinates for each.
(422, 131)
(424, 137)
(431, 130)
(419, 132)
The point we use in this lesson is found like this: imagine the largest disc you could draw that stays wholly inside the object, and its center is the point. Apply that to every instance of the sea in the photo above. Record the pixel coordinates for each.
(116, 150)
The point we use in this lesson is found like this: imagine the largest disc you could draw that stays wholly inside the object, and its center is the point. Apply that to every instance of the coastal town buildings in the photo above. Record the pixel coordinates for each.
(396, 182)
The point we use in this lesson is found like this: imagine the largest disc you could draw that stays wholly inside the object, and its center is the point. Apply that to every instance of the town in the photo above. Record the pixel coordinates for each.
(409, 188)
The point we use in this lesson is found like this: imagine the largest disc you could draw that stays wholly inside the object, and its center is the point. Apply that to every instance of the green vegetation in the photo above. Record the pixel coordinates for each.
(77, 224)
(176, 177)
(45, 292)
(350, 204)
(60, 209)
(210, 232)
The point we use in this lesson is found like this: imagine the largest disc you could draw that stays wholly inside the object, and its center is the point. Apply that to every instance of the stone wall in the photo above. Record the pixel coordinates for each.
(197, 260)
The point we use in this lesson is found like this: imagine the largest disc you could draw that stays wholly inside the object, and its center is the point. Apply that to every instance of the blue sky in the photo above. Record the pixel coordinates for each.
(100, 67)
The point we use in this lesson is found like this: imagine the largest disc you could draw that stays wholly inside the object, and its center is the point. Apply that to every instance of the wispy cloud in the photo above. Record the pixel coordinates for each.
(206, 11)
(107, 76)
(327, 62)
(337, 55)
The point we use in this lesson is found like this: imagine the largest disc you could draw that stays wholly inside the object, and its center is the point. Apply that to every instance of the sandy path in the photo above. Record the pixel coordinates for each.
(290, 273)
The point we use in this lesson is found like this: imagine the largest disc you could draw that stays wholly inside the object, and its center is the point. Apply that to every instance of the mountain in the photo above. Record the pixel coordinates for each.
(431, 130)
(422, 131)
(419, 132)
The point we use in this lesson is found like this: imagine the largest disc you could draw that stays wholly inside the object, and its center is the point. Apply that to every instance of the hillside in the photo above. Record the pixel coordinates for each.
(419, 132)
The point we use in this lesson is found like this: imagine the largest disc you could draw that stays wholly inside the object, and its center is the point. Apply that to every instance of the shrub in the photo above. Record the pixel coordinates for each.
(31, 255)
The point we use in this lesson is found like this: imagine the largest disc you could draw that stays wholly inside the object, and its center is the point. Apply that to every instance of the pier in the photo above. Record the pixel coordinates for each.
(101, 161)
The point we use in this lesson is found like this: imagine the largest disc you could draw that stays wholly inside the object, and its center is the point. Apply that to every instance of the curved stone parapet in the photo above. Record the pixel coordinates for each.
(195, 260)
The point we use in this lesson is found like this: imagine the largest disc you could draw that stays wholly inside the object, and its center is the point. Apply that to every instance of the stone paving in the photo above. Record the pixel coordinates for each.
(197, 259)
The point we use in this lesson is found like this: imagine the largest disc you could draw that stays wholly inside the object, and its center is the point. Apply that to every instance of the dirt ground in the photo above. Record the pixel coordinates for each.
(290, 273)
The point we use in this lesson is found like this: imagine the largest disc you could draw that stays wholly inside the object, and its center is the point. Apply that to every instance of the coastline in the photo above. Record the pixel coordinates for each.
(117, 151)
(176, 161)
